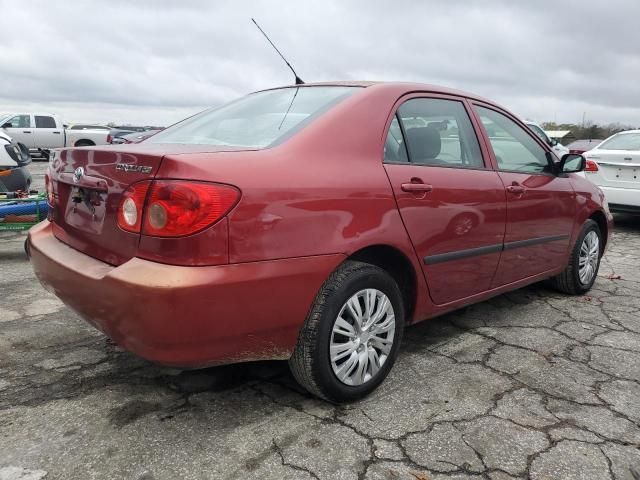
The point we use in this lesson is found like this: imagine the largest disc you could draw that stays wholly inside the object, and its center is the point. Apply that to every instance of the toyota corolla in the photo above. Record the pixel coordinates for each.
(313, 223)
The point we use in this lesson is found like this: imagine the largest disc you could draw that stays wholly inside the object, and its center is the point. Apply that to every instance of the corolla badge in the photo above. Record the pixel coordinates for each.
(77, 174)
(128, 167)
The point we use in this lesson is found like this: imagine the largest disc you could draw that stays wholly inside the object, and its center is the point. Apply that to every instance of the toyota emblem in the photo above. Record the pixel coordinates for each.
(77, 174)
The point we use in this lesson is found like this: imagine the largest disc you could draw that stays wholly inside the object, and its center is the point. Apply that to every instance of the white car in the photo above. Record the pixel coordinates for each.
(46, 131)
(614, 166)
(556, 146)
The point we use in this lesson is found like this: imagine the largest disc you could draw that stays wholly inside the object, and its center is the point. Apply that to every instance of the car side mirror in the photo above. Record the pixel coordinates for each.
(6, 125)
(553, 142)
(572, 163)
(25, 157)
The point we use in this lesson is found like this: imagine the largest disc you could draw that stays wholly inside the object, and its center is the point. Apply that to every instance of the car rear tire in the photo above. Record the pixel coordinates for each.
(584, 262)
(84, 143)
(352, 333)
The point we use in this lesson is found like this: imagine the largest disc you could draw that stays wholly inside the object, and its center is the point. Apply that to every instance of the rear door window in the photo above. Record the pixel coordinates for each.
(45, 122)
(439, 133)
(395, 149)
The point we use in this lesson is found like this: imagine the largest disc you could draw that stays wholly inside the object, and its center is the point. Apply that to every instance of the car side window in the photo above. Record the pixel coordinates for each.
(45, 122)
(513, 146)
(20, 121)
(439, 133)
(395, 149)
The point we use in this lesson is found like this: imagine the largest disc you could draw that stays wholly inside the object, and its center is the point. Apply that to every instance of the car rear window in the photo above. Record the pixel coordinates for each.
(258, 120)
(622, 141)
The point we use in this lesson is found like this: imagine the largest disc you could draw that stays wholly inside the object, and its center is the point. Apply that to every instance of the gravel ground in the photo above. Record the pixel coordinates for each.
(532, 384)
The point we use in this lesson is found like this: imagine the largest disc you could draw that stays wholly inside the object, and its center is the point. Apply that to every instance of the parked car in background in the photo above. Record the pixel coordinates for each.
(118, 132)
(14, 175)
(136, 137)
(581, 146)
(312, 223)
(556, 146)
(82, 126)
(614, 165)
(45, 131)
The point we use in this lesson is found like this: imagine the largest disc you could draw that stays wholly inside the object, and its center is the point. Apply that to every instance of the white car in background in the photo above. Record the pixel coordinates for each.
(556, 146)
(38, 131)
(614, 166)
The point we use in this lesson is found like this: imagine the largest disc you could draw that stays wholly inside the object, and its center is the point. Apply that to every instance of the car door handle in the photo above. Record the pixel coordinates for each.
(516, 189)
(416, 187)
(56, 133)
(26, 131)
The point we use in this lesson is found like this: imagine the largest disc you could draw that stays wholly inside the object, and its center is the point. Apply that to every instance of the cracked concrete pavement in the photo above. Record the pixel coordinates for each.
(532, 384)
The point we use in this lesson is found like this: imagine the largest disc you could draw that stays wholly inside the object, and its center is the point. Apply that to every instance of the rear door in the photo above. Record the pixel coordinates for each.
(540, 204)
(21, 129)
(47, 134)
(451, 201)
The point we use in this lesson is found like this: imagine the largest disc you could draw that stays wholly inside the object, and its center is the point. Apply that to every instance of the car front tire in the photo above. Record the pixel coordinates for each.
(351, 336)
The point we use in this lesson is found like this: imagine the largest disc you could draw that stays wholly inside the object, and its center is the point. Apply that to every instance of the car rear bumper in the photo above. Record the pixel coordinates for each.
(185, 316)
(622, 200)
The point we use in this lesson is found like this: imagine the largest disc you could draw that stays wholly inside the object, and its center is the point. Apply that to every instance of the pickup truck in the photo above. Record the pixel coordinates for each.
(43, 131)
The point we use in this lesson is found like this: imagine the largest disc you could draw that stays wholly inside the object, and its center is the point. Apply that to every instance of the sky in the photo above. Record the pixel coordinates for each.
(155, 62)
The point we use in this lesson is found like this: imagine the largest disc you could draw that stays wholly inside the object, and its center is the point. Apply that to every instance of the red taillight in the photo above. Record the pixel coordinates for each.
(591, 166)
(131, 207)
(109, 138)
(176, 208)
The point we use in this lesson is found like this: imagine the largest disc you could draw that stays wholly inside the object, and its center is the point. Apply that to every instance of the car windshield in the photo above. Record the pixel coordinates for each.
(258, 120)
(622, 141)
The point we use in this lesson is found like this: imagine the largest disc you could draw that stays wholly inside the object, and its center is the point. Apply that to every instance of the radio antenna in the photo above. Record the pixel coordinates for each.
(298, 79)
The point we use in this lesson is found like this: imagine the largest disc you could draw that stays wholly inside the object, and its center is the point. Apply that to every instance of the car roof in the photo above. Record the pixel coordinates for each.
(406, 86)
(12, 114)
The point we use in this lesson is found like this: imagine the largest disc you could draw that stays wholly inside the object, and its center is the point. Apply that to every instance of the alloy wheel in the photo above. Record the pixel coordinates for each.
(362, 337)
(589, 257)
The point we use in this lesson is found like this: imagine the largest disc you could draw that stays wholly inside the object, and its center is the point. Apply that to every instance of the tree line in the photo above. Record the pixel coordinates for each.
(589, 130)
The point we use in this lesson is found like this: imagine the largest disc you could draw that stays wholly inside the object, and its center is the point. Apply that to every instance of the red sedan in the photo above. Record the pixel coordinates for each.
(313, 223)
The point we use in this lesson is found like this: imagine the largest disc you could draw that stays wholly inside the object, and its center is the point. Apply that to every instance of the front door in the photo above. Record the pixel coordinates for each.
(540, 204)
(452, 203)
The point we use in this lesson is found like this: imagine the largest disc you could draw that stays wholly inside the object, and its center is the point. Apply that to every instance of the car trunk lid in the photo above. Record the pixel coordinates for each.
(87, 186)
(617, 168)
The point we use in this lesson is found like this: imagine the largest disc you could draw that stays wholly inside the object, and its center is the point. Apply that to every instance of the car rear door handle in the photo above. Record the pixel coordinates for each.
(56, 133)
(516, 189)
(26, 131)
(416, 187)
